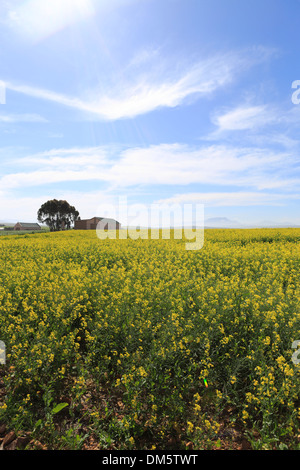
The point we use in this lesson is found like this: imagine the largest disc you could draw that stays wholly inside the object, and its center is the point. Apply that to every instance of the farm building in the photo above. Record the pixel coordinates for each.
(26, 226)
(91, 224)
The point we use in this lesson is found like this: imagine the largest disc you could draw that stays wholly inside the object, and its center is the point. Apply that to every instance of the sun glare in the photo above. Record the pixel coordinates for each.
(38, 19)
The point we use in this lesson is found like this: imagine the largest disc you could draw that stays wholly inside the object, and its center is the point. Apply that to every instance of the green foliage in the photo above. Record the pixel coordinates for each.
(57, 215)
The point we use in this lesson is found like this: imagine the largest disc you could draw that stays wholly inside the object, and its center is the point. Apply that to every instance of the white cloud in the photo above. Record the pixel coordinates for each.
(274, 121)
(165, 164)
(152, 92)
(246, 118)
(128, 99)
(73, 158)
(217, 164)
(155, 86)
(49, 96)
(240, 198)
(58, 166)
(14, 118)
(265, 174)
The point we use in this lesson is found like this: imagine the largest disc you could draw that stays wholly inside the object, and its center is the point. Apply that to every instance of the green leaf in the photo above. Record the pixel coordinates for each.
(59, 407)
(38, 424)
(218, 443)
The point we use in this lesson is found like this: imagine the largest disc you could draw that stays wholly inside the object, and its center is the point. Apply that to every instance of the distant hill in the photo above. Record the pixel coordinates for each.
(222, 222)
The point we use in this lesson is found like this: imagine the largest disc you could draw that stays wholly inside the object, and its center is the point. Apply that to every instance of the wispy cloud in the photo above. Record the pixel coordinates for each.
(226, 199)
(48, 95)
(71, 158)
(154, 87)
(164, 89)
(178, 164)
(246, 118)
(57, 166)
(14, 118)
(270, 123)
(165, 164)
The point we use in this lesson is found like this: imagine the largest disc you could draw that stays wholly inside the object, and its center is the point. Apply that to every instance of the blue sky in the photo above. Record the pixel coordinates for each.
(161, 101)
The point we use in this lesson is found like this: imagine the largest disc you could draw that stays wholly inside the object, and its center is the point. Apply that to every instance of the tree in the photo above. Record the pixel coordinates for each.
(58, 215)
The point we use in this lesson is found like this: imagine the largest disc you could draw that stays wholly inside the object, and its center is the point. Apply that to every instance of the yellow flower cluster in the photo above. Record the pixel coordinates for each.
(151, 320)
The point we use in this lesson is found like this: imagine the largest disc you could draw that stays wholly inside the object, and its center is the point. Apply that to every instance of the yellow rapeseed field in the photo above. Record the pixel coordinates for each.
(108, 342)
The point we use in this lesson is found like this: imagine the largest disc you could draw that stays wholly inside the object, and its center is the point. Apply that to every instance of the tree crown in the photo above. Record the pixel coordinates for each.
(57, 214)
